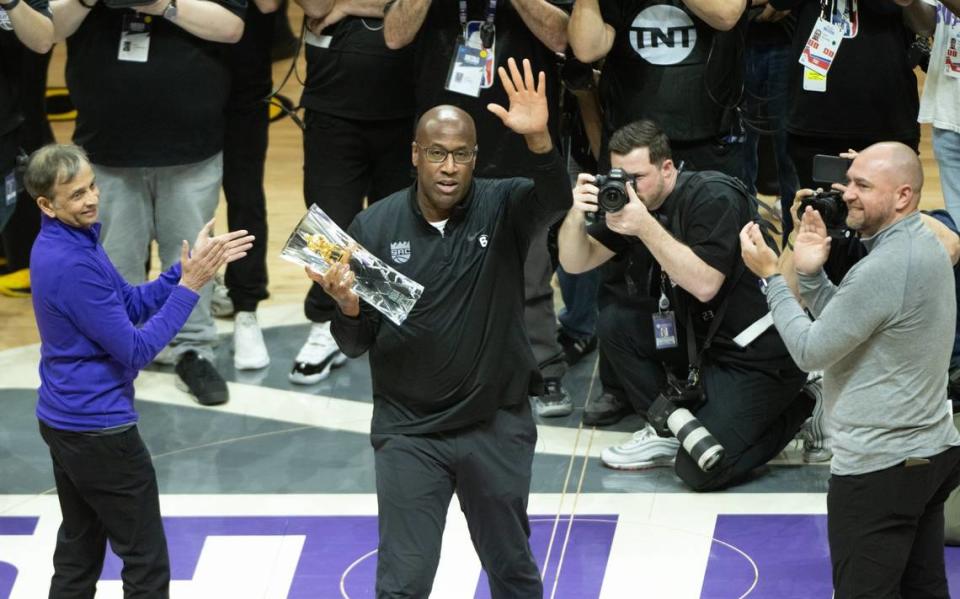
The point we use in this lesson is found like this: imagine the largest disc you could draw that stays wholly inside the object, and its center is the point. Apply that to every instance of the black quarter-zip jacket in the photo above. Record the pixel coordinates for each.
(463, 352)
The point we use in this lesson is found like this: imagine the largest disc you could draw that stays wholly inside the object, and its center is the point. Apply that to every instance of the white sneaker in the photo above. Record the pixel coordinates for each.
(644, 450)
(249, 350)
(317, 357)
(221, 306)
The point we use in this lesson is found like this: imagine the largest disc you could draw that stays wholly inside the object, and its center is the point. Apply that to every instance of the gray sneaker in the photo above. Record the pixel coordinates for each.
(645, 449)
(604, 410)
(554, 402)
(815, 447)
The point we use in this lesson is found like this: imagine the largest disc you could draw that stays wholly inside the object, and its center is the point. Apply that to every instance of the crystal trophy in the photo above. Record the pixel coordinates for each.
(319, 243)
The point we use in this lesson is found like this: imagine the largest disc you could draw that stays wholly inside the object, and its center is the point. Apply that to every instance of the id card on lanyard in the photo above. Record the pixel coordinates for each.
(473, 63)
(951, 61)
(135, 37)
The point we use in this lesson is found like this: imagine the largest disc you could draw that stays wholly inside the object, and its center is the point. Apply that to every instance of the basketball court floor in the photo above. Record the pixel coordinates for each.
(271, 495)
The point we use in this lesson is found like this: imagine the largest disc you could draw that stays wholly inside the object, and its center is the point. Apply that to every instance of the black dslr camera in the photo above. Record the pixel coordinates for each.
(832, 209)
(612, 196)
(670, 414)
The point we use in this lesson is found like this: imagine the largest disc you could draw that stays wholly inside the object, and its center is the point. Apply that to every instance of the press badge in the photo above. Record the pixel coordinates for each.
(821, 49)
(665, 330)
(951, 64)
(466, 71)
(135, 37)
(664, 323)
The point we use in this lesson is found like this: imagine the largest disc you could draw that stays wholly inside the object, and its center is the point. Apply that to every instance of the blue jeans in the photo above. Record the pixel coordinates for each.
(946, 147)
(578, 318)
(766, 86)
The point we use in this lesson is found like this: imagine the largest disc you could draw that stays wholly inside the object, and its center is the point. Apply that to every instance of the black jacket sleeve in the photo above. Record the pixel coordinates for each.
(534, 207)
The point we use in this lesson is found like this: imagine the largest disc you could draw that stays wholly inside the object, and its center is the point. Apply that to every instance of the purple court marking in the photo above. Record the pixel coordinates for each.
(791, 554)
(333, 543)
(13, 525)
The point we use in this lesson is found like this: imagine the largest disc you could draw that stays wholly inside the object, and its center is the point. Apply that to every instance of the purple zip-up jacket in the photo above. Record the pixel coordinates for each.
(91, 343)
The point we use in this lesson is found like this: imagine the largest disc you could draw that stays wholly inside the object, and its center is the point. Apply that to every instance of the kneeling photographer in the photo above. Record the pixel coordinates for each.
(692, 324)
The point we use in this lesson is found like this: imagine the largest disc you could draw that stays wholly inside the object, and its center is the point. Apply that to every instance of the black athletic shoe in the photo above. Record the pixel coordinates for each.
(197, 376)
(604, 410)
(575, 349)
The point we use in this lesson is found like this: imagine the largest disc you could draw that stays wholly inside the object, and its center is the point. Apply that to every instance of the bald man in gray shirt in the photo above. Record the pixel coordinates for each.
(883, 338)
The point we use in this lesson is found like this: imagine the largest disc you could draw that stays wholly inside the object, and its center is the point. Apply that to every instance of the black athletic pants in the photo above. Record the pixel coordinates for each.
(488, 466)
(345, 161)
(107, 489)
(245, 154)
(753, 413)
(886, 530)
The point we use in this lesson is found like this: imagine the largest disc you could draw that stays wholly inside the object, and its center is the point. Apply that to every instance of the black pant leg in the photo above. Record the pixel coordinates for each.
(924, 575)
(881, 524)
(391, 153)
(493, 484)
(626, 335)
(754, 414)
(114, 475)
(415, 483)
(244, 157)
(336, 177)
(81, 539)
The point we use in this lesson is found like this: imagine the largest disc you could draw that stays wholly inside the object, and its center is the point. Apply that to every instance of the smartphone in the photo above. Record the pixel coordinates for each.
(830, 169)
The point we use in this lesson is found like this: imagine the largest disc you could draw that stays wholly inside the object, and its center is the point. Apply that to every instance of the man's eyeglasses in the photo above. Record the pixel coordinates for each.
(436, 154)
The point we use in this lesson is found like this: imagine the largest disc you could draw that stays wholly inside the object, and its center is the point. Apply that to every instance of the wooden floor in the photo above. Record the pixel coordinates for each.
(285, 203)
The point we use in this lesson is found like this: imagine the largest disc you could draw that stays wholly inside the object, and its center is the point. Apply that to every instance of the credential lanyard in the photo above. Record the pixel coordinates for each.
(486, 30)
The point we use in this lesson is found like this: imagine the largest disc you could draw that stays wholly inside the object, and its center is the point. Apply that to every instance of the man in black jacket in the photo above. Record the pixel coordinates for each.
(450, 385)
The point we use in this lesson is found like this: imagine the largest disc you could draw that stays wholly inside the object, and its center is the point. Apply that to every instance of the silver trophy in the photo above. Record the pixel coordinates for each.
(319, 243)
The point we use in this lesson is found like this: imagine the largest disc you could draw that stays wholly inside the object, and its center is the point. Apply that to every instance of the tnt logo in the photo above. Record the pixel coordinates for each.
(663, 35)
(400, 251)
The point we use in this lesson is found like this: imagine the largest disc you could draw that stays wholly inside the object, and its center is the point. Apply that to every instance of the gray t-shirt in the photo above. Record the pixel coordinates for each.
(883, 339)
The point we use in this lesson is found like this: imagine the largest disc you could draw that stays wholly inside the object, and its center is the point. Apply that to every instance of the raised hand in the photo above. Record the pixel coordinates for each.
(209, 254)
(811, 248)
(528, 111)
(338, 284)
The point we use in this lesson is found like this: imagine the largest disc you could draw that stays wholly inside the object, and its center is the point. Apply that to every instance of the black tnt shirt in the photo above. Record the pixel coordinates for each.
(356, 76)
(11, 50)
(710, 217)
(871, 88)
(163, 112)
(669, 66)
(503, 153)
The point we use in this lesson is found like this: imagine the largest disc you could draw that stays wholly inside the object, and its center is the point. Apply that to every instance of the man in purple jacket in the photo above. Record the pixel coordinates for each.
(96, 333)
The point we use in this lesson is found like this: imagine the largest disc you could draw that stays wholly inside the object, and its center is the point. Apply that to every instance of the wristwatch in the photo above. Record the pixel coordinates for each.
(765, 282)
(170, 12)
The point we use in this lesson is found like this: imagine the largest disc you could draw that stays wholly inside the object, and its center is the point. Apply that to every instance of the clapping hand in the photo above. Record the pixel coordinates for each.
(812, 245)
(756, 254)
(209, 254)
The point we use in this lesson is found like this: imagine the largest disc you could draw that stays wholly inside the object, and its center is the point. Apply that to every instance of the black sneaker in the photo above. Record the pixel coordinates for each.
(604, 410)
(197, 376)
(575, 349)
(554, 402)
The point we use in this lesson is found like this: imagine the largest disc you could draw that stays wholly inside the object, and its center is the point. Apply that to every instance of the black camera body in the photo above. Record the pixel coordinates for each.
(612, 196)
(832, 209)
(670, 415)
